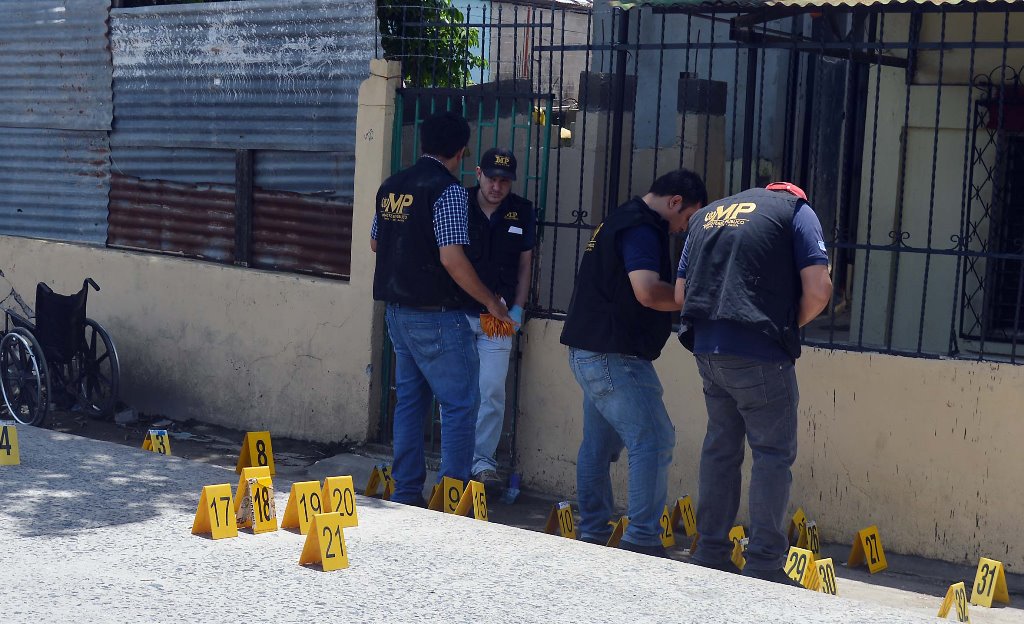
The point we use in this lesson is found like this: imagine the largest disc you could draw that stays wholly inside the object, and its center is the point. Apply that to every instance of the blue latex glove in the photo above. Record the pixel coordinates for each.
(516, 312)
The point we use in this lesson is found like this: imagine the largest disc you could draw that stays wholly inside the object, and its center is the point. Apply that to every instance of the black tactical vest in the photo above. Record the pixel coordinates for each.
(409, 270)
(741, 266)
(494, 249)
(604, 314)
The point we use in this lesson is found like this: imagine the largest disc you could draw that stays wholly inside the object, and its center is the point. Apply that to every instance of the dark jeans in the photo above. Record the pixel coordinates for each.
(435, 356)
(757, 400)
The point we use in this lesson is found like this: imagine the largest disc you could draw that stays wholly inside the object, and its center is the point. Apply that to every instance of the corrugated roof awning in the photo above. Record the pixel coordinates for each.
(755, 4)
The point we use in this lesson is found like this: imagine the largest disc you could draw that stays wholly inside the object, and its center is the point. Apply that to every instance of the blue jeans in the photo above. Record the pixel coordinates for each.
(622, 408)
(434, 356)
(494, 357)
(757, 400)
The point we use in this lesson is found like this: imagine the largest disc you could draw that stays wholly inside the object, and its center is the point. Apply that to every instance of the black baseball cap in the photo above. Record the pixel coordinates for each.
(498, 162)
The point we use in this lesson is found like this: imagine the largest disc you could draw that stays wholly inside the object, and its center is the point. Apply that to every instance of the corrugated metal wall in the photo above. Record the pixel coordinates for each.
(55, 112)
(194, 83)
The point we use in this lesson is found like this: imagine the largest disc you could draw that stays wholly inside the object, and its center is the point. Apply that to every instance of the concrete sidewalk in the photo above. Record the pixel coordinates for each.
(100, 532)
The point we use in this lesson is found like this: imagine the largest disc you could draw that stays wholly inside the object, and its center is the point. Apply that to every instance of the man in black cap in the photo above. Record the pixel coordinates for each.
(422, 272)
(501, 239)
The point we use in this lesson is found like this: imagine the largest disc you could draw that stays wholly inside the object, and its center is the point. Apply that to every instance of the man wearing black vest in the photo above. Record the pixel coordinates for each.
(419, 230)
(618, 321)
(753, 271)
(501, 239)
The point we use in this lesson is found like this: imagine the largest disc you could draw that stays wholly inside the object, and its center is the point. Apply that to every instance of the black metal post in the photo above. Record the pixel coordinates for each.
(748, 117)
(243, 206)
(618, 104)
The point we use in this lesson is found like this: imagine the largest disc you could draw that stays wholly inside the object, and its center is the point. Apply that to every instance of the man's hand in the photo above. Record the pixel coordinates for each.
(651, 292)
(516, 312)
(500, 311)
(454, 260)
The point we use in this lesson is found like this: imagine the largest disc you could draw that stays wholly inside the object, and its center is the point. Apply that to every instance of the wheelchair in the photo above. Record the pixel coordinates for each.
(63, 359)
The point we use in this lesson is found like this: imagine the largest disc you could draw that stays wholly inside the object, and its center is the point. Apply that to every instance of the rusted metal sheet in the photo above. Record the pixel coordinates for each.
(292, 232)
(194, 220)
(256, 75)
(55, 67)
(53, 184)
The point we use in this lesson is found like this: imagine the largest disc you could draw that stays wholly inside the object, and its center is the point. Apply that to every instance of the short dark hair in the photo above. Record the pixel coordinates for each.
(682, 182)
(444, 134)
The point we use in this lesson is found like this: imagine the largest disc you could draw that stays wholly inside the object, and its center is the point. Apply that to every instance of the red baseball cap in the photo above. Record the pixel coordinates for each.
(793, 189)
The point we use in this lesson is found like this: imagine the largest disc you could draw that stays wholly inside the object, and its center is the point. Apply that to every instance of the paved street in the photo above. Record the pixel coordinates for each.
(101, 532)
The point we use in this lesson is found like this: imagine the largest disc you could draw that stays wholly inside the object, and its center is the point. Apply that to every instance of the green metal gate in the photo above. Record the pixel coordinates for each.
(518, 119)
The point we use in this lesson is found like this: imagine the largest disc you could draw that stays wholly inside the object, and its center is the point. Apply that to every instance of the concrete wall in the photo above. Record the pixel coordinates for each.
(925, 449)
(238, 347)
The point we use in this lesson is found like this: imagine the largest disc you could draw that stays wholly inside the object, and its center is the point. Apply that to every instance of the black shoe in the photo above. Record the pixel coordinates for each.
(777, 575)
(493, 484)
(727, 566)
(651, 551)
(600, 541)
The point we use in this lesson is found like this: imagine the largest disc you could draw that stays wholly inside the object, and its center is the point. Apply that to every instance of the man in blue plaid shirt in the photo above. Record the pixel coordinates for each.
(422, 273)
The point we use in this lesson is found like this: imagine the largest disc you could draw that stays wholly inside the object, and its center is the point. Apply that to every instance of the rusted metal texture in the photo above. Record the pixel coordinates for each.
(292, 232)
(194, 220)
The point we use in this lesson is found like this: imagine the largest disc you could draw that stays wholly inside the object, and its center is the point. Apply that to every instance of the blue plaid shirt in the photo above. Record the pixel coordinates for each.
(451, 224)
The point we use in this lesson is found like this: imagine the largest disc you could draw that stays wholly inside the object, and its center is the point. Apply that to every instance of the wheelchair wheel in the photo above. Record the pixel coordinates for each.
(24, 377)
(98, 372)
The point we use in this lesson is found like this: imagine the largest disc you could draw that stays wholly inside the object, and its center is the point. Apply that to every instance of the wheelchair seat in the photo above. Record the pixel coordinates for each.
(59, 322)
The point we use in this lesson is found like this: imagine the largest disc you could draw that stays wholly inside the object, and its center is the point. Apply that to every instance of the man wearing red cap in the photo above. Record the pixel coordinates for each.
(753, 271)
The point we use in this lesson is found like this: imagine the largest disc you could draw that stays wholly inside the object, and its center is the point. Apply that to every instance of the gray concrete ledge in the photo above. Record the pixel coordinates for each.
(101, 533)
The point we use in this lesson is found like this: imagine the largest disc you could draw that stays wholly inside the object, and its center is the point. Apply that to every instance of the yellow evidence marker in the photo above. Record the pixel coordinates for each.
(9, 453)
(304, 502)
(446, 495)
(325, 543)
(827, 574)
(813, 541)
(253, 472)
(739, 541)
(258, 510)
(989, 584)
(561, 519)
(157, 441)
(797, 533)
(618, 528)
(668, 538)
(955, 595)
(256, 451)
(214, 514)
(473, 502)
(381, 475)
(682, 512)
(867, 545)
(800, 567)
(340, 496)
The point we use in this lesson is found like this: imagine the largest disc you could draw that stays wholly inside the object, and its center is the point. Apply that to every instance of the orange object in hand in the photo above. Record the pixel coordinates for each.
(495, 328)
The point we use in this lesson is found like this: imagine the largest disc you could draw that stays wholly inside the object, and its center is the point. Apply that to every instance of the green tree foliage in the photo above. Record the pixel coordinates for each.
(430, 39)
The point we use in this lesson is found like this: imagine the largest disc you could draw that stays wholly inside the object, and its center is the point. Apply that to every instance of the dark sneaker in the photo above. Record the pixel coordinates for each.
(777, 575)
(493, 484)
(651, 551)
(600, 541)
(727, 566)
